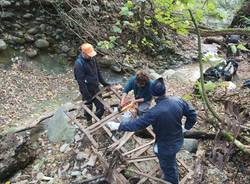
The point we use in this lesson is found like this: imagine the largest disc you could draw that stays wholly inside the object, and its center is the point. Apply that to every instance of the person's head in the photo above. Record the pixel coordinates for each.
(158, 88)
(87, 50)
(141, 78)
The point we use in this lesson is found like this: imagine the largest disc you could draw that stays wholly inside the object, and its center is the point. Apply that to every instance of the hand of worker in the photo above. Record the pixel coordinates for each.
(107, 86)
(124, 102)
(113, 125)
(184, 129)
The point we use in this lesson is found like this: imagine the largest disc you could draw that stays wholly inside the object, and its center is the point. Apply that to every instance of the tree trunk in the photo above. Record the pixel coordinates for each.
(223, 32)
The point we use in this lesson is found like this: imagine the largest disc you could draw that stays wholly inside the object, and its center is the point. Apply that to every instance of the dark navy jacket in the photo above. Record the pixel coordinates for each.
(140, 92)
(87, 73)
(165, 117)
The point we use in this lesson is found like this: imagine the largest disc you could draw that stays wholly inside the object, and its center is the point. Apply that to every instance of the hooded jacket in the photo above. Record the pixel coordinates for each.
(88, 76)
(165, 118)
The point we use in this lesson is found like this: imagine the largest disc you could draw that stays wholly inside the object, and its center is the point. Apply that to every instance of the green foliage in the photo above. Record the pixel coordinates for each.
(174, 13)
(187, 97)
(116, 29)
(147, 42)
(107, 44)
(242, 47)
(233, 49)
(209, 87)
(126, 9)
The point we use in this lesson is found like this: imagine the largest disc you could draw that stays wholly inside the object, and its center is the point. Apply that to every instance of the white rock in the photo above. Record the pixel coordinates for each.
(3, 45)
(230, 86)
(153, 75)
(168, 73)
(81, 156)
(75, 173)
(64, 148)
(92, 160)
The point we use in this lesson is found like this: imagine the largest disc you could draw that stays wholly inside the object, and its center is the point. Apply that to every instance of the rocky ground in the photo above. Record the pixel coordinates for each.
(72, 162)
(26, 93)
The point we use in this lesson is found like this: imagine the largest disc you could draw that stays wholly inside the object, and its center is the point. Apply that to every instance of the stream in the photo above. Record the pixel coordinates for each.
(52, 66)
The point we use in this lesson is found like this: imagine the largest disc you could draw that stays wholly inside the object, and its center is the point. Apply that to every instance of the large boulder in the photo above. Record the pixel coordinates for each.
(190, 145)
(6, 15)
(106, 61)
(116, 68)
(4, 3)
(33, 30)
(31, 52)
(42, 43)
(3, 45)
(153, 75)
(168, 73)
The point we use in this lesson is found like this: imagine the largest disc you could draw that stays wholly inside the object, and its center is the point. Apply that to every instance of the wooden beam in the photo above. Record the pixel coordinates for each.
(92, 140)
(105, 104)
(152, 172)
(116, 93)
(102, 122)
(90, 112)
(138, 148)
(141, 159)
(148, 176)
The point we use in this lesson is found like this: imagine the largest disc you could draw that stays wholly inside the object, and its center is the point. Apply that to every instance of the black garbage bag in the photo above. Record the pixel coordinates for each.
(214, 73)
(233, 39)
(221, 71)
(246, 84)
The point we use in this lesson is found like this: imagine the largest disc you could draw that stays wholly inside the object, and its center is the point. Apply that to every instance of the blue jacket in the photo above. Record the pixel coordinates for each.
(87, 73)
(140, 92)
(165, 117)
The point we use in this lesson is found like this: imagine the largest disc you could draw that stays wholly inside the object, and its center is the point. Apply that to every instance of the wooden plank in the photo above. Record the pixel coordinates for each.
(105, 104)
(92, 140)
(152, 172)
(116, 93)
(183, 164)
(148, 176)
(99, 124)
(190, 174)
(150, 131)
(139, 142)
(141, 159)
(119, 178)
(140, 152)
(118, 144)
(90, 112)
(138, 148)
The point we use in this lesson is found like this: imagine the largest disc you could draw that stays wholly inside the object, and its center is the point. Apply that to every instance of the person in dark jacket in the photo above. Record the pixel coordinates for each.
(165, 118)
(88, 76)
(140, 85)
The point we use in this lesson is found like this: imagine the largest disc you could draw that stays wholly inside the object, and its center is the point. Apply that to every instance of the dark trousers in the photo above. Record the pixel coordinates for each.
(169, 168)
(99, 109)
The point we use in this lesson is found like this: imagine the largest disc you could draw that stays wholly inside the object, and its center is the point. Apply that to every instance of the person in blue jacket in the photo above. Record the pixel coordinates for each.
(140, 85)
(165, 118)
(88, 76)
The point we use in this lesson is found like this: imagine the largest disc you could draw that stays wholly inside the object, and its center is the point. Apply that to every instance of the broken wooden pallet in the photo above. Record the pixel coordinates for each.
(125, 152)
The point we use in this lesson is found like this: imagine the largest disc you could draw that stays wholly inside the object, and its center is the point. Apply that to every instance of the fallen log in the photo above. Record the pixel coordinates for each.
(223, 32)
(227, 136)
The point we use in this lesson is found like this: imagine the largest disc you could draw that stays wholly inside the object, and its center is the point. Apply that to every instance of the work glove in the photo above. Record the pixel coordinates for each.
(184, 129)
(113, 125)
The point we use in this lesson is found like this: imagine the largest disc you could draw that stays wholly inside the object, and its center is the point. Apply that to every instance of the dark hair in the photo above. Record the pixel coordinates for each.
(141, 77)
